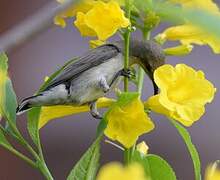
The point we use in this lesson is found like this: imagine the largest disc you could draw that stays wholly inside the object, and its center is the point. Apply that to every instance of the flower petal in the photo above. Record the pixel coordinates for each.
(49, 113)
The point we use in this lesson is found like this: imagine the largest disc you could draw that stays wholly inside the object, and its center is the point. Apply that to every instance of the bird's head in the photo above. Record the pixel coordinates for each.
(149, 55)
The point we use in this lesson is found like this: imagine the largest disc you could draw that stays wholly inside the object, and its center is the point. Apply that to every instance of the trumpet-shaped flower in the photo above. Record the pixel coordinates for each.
(96, 43)
(49, 113)
(81, 24)
(212, 173)
(116, 171)
(183, 93)
(191, 34)
(127, 120)
(82, 6)
(104, 19)
(3, 79)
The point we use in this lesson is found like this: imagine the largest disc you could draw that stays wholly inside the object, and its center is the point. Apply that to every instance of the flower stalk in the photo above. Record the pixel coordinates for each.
(127, 35)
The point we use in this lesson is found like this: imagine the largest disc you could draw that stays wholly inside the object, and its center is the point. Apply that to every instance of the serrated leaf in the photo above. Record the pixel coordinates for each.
(32, 124)
(86, 168)
(191, 147)
(156, 168)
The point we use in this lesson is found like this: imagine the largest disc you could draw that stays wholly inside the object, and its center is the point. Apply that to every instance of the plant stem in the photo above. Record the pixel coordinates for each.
(127, 35)
(23, 157)
(41, 163)
(127, 152)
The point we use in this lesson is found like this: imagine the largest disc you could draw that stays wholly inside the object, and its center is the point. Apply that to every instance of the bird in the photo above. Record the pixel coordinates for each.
(95, 73)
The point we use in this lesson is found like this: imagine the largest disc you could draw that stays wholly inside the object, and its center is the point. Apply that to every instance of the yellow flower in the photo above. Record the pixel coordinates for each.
(142, 148)
(180, 50)
(116, 171)
(80, 23)
(49, 113)
(82, 6)
(191, 34)
(3, 79)
(183, 93)
(126, 122)
(212, 173)
(104, 19)
(96, 43)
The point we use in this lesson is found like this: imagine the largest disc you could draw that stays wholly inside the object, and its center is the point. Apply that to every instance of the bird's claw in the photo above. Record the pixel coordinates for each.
(96, 115)
(128, 73)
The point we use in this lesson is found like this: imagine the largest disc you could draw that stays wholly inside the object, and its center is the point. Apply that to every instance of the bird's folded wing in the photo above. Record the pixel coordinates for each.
(89, 60)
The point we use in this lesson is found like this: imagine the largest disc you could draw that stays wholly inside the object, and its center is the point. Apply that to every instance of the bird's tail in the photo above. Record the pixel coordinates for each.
(25, 105)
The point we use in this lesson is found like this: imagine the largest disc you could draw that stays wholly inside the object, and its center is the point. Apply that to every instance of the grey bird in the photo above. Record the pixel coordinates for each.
(94, 74)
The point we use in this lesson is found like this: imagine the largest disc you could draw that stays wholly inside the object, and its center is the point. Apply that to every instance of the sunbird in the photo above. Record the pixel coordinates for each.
(95, 73)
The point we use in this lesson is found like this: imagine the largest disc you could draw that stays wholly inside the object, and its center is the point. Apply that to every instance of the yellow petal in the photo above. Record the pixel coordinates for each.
(106, 18)
(183, 95)
(115, 170)
(49, 113)
(96, 43)
(59, 21)
(80, 23)
(127, 123)
(83, 6)
(190, 34)
(212, 172)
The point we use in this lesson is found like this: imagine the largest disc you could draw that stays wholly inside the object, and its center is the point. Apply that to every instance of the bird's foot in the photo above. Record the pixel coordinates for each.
(96, 115)
(128, 73)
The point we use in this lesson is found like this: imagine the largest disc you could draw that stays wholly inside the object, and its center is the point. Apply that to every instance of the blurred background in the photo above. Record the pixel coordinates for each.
(65, 140)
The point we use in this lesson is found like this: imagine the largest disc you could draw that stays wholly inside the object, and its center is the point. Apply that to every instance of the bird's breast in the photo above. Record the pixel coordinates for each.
(86, 88)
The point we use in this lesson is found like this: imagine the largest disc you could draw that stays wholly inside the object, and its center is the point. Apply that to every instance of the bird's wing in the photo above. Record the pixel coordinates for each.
(91, 59)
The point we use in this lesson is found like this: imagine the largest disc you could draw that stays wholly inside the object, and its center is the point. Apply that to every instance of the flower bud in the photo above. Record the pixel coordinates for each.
(142, 148)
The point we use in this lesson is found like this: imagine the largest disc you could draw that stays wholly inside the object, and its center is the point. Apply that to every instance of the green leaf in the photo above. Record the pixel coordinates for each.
(143, 5)
(159, 168)
(32, 124)
(191, 147)
(140, 158)
(8, 102)
(155, 167)
(86, 168)
(126, 97)
(205, 19)
(101, 127)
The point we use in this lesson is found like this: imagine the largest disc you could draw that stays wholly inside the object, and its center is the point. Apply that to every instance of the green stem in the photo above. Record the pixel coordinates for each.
(23, 157)
(127, 34)
(127, 42)
(42, 165)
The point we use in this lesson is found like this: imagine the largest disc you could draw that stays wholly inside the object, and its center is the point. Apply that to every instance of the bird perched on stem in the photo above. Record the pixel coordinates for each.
(94, 74)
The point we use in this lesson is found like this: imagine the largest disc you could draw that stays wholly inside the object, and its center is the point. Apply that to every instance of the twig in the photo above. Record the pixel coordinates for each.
(32, 26)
